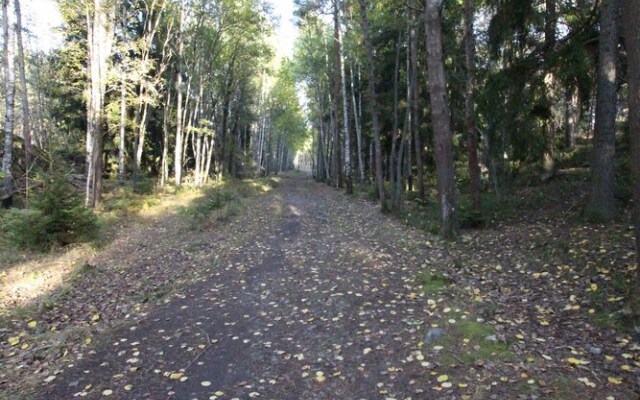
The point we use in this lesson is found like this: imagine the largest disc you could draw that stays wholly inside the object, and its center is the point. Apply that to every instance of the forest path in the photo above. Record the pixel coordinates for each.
(306, 295)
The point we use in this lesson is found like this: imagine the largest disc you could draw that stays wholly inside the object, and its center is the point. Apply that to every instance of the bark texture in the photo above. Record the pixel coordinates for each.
(8, 187)
(100, 27)
(630, 19)
(601, 205)
(440, 120)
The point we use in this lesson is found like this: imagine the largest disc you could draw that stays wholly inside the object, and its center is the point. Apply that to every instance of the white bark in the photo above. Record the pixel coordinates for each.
(7, 159)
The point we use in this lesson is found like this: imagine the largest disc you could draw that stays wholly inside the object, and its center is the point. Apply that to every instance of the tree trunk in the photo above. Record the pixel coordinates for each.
(26, 114)
(373, 102)
(469, 101)
(630, 19)
(356, 120)
(572, 117)
(440, 121)
(601, 205)
(336, 162)
(177, 163)
(164, 173)
(413, 104)
(549, 125)
(345, 100)
(123, 121)
(395, 181)
(8, 188)
(100, 34)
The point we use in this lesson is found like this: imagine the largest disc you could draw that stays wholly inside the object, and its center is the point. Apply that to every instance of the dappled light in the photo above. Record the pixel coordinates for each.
(314, 199)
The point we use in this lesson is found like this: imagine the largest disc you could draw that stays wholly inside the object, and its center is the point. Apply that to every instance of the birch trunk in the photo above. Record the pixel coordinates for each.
(123, 120)
(345, 101)
(164, 173)
(356, 121)
(177, 164)
(8, 188)
(100, 22)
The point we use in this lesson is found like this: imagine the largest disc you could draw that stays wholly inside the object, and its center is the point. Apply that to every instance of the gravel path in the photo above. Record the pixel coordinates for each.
(306, 295)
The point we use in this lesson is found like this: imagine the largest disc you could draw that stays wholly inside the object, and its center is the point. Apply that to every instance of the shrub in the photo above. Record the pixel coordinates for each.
(57, 218)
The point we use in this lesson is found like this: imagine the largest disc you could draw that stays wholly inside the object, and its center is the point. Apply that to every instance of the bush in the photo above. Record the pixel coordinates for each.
(57, 218)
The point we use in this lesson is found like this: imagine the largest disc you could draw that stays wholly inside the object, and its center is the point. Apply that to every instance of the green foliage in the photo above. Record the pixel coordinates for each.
(58, 217)
(127, 199)
(469, 339)
(433, 282)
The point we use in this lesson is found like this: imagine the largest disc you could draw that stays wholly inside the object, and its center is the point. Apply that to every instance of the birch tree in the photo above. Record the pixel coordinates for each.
(8, 187)
(100, 28)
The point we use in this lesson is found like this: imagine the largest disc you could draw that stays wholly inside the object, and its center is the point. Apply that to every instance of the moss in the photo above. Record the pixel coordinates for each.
(433, 282)
(466, 342)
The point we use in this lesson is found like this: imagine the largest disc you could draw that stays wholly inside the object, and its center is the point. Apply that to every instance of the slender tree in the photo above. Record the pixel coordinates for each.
(469, 103)
(373, 101)
(348, 176)
(100, 28)
(414, 96)
(8, 187)
(440, 120)
(602, 201)
(177, 161)
(26, 114)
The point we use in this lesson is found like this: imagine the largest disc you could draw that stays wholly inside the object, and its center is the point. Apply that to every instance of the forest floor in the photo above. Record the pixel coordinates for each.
(309, 294)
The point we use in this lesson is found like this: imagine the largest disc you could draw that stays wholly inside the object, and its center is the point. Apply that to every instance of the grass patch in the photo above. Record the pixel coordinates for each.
(466, 342)
(433, 282)
(223, 200)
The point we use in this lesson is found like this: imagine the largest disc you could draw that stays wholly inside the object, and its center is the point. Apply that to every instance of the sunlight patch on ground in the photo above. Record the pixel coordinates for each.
(22, 284)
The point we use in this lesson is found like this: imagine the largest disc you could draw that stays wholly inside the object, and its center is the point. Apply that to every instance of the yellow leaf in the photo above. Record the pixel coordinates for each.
(443, 378)
(25, 346)
(320, 376)
(95, 317)
(175, 375)
(594, 287)
(32, 324)
(576, 361)
(587, 382)
(614, 380)
(128, 387)
(625, 368)
(520, 336)
(14, 340)
(87, 340)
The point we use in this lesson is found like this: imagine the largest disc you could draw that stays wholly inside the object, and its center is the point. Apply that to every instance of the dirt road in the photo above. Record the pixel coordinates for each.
(306, 295)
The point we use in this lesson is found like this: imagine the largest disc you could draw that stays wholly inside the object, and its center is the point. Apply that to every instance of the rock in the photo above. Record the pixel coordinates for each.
(595, 350)
(491, 338)
(432, 335)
